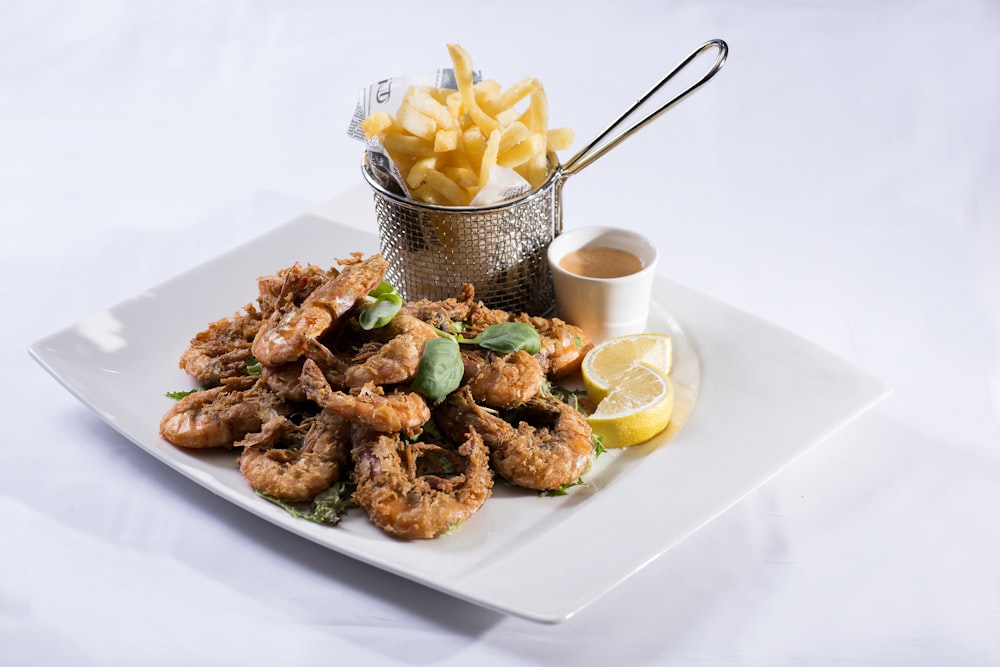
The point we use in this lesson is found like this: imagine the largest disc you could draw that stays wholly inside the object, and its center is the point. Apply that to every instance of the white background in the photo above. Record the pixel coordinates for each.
(838, 178)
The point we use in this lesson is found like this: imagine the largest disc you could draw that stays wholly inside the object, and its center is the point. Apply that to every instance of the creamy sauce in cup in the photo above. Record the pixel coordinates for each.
(601, 262)
(603, 278)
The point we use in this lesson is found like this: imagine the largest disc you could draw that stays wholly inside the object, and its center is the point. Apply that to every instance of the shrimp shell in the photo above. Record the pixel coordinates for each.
(368, 406)
(223, 349)
(296, 473)
(284, 381)
(290, 286)
(443, 314)
(502, 381)
(397, 360)
(549, 448)
(411, 503)
(563, 345)
(283, 338)
(220, 416)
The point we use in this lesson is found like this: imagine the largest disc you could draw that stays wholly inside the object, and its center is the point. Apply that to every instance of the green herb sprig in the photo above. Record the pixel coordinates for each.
(327, 508)
(178, 395)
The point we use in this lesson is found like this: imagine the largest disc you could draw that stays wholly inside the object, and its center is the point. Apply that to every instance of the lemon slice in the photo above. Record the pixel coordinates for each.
(602, 365)
(637, 407)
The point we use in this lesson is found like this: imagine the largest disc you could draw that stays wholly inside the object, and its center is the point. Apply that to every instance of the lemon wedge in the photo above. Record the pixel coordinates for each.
(627, 378)
(637, 407)
(605, 363)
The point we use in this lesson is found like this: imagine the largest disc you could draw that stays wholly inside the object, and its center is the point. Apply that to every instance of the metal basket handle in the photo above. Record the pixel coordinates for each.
(599, 147)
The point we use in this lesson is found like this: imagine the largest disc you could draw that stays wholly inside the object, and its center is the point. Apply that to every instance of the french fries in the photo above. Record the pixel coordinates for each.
(446, 143)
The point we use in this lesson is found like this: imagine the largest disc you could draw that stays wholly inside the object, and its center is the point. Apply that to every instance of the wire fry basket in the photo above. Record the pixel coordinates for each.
(500, 249)
(432, 250)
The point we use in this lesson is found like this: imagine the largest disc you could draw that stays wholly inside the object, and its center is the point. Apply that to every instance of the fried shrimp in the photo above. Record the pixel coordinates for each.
(284, 381)
(444, 314)
(290, 286)
(395, 361)
(398, 411)
(549, 448)
(283, 338)
(223, 349)
(310, 387)
(502, 381)
(419, 490)
(222, 415)
(314, 462)
(563, 345)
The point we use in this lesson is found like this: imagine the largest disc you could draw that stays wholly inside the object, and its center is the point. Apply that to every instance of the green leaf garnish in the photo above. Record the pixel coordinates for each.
(178, 395)
(569, 396)
(327, 508)
(253, 367)
(508, 337)
(562, 490)
(440, 370)
(383, 303)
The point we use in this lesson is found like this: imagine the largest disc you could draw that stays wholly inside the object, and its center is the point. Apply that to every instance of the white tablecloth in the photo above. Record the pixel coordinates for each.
(838, 178)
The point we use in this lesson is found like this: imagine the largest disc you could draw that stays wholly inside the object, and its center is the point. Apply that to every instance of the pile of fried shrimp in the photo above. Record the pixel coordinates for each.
(310, 398)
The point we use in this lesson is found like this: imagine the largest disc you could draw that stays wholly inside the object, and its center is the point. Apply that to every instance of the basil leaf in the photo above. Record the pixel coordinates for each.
(508, 337)
(380, 312)
(382, 289)
(441, 369)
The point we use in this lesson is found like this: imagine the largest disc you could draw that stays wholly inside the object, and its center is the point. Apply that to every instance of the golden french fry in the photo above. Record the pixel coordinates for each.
(559, 138)
(489, 158)
(446, 140)
(408, 145)
(454, 103)
(428, 195)
(418, 172)
(440, 95)
(508, 116)
(464, 176)
(379, 122)
(537, 113)
(484, 90)
(512, 135)
(522, 152)
(474, 140)
(453, 193)
(460, 158)
(421, 99)
(462, 63)
(415, 122)
(508, 98)
(536, 169)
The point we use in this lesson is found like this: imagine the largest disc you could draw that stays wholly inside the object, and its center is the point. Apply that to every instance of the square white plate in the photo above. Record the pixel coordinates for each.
(751, 398)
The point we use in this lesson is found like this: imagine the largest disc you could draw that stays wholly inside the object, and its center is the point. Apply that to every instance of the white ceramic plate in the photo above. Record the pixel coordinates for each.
(764, 396)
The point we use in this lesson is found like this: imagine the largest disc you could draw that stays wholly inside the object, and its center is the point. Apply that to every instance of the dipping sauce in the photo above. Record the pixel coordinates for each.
(601, 262)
